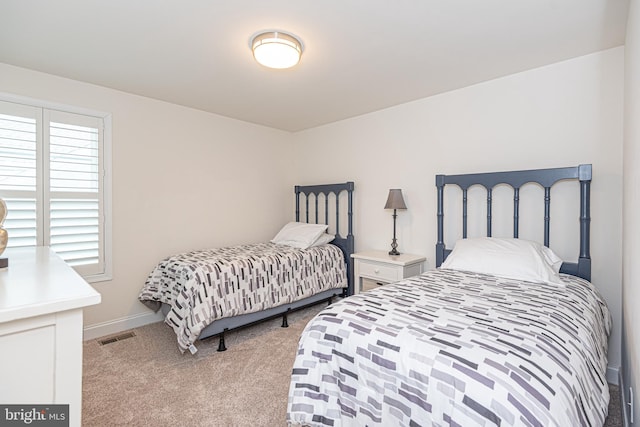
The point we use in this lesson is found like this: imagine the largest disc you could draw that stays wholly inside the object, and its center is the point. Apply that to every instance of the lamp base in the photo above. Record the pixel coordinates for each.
(394, 242)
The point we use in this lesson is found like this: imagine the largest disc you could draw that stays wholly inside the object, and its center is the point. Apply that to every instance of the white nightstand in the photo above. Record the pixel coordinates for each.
(376, 268)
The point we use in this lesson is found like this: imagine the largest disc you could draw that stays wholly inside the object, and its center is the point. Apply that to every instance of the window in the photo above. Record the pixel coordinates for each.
(54, 178)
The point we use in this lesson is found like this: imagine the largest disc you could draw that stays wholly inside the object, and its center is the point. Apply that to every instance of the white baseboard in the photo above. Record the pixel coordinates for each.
(118, 325)
(624, 400)
(613, 375)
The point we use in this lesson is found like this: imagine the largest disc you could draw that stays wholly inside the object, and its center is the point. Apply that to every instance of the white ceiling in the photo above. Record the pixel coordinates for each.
(360, 55)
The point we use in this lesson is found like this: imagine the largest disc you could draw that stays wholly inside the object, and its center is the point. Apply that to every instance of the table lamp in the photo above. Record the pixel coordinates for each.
(395, 202)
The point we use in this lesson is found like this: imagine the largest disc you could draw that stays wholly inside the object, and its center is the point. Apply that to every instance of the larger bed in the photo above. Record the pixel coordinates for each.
(208, 292)
(458, 347)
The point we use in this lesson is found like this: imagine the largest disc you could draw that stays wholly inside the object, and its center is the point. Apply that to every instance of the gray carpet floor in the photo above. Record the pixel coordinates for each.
(145, 381)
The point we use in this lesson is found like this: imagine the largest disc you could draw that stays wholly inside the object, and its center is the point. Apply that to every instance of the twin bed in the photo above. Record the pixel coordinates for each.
(502, 333)
(206, 293)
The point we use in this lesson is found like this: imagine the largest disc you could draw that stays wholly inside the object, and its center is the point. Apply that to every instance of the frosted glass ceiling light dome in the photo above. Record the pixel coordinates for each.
(275, 49)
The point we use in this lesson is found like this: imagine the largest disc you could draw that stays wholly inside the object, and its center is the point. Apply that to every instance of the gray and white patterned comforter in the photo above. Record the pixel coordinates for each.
(450, 348)
(203, 286)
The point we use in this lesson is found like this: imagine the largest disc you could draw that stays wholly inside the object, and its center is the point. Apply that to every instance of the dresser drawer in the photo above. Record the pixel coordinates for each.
(380, 271)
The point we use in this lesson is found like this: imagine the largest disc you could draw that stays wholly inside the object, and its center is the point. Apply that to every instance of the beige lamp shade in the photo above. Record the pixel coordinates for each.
(395, 200)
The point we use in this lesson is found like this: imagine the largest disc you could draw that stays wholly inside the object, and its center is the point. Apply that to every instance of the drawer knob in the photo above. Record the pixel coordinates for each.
(377, 270)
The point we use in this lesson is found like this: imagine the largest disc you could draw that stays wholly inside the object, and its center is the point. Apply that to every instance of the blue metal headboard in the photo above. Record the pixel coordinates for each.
(345, 243)
(516, 179)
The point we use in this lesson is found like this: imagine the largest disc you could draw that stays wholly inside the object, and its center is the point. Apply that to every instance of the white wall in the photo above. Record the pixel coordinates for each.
(631, 242)
(182, 180)
(559, 115)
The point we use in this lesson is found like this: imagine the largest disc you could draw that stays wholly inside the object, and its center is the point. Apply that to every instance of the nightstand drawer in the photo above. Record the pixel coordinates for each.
(379, 271)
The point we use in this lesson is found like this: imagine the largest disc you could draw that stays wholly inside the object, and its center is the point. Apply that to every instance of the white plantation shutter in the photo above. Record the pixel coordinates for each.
(21, 222)
(20, 131)
(75, 230)
(52, 169)
(18, 143)
(74, 189)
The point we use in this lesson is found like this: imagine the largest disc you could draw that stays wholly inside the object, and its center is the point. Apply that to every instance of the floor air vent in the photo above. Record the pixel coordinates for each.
(113, 339)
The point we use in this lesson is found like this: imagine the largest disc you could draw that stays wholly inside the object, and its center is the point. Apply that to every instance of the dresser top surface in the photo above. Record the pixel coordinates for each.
(39, 282)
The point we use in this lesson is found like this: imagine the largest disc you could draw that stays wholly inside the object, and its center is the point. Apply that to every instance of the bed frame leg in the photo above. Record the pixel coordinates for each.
(221, 346)
(285, 323)
(330, 300)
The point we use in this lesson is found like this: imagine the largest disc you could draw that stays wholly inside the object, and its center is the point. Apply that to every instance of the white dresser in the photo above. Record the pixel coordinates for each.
(41, 302)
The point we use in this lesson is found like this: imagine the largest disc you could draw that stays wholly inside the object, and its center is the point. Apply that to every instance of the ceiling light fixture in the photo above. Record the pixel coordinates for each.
(275, 49)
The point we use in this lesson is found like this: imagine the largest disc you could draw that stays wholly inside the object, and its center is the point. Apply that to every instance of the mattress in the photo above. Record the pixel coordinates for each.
(203, 286)
(454, 348)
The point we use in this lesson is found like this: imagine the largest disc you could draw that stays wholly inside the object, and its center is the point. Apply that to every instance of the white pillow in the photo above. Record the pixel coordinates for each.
(299, 234)
(511, 258)
(552, 259)
(323, 239)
